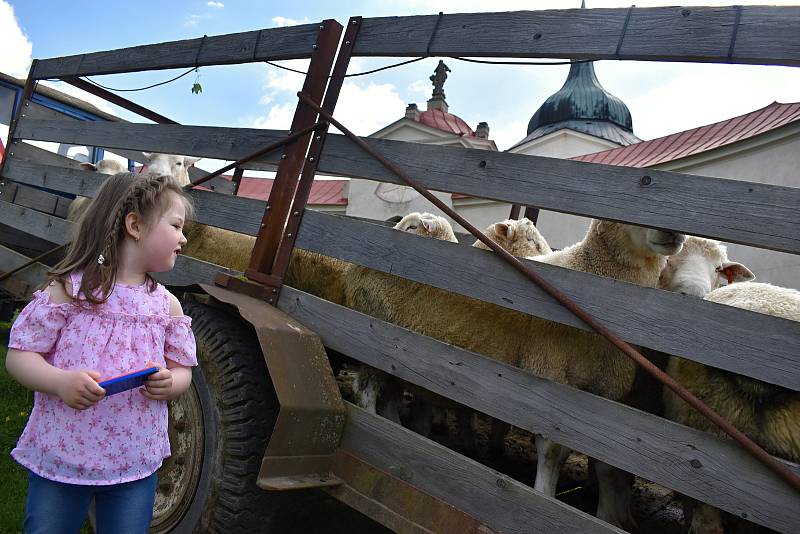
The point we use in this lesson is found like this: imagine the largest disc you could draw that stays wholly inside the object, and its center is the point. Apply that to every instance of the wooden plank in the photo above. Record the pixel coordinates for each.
(234, 213)
(38, 224)
(744, 342)
(493, 498)
(245, 47)
(20, 151)
(23, 283)
(735, 211)
(764, 35)
(731, 210)
(187, 271)
(37, 112)
(190, 271)
(654, 448)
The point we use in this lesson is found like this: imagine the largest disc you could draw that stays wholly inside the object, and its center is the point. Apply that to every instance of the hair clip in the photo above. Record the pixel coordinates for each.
(101, 259)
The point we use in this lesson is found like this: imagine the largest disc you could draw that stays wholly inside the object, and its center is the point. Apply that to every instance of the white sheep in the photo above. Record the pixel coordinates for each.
(170, 165)
(700, 267)
(585, 360)
(374, 390)
(519, 237)
(768, 414)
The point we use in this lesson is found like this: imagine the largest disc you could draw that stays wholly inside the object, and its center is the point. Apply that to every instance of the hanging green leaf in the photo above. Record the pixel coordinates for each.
(197, 88)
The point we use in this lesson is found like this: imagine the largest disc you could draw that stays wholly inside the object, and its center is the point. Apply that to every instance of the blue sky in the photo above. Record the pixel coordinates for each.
(663, 97)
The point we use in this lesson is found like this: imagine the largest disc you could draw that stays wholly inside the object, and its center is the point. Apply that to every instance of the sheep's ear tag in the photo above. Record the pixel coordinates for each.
(197, 88)
(736, 272)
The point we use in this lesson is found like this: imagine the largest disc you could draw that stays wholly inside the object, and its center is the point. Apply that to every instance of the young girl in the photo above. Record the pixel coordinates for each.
(99, 316)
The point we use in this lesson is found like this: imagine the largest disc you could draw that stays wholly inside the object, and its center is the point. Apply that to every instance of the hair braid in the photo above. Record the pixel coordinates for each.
(101, 232)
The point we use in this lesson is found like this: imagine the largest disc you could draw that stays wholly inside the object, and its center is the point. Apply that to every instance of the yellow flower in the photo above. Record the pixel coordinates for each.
(23, 414)
(8, 419)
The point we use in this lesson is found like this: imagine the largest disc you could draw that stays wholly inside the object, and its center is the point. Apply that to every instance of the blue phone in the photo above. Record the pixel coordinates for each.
(131, 380)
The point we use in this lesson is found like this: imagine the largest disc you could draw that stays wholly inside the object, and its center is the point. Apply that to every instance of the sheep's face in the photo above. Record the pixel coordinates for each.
(519, 237)
(427, 225)
(700, 267)
(651, 241)
(171, 165)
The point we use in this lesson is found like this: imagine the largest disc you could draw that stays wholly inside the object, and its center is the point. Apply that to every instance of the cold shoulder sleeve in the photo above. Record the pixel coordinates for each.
(39, 324)
(179, 344)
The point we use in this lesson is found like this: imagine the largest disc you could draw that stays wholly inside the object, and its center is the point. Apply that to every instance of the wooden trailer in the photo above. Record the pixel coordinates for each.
(263, 439)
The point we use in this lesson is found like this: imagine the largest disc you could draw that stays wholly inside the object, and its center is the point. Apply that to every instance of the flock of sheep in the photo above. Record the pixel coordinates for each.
(694, 266)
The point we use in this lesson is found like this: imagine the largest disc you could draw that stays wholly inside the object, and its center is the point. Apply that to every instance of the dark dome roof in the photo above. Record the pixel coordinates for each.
(582, 98)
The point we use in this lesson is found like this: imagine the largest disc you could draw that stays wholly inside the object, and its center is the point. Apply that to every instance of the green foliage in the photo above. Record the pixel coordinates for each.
(15, 406)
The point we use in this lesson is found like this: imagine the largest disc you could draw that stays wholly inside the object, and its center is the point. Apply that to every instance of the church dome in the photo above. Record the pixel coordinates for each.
(445, 121)
(582, 98)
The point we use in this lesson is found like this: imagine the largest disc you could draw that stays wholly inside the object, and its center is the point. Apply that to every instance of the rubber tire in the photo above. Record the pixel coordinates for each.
(239, 412)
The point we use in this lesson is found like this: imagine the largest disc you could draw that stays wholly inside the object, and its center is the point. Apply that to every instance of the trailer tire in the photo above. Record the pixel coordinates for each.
(237, 412)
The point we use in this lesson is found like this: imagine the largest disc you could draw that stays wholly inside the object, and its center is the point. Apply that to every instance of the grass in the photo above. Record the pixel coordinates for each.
(15, 406)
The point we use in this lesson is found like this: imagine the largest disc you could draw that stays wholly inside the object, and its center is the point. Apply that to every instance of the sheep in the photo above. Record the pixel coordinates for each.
(700, 267)
(170, 165)
(768, 414)
(104, 166)
(585, 360)
(519, 237)
(373, 389)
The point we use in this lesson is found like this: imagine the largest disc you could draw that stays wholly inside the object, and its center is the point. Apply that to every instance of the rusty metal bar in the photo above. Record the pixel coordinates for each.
(118, 100)
(274, 146)
(314, 153)
(33, 260)
(748, 444)
(274, 220)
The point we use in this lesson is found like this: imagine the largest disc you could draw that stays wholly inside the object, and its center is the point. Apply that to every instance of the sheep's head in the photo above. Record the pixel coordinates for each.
(636, 241)
(427, 225)
(519, 237)
(170, 165)
(105, 166)
(700, 267)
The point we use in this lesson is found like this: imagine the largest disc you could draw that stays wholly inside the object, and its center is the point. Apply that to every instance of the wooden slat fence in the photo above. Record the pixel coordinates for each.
(707, 332)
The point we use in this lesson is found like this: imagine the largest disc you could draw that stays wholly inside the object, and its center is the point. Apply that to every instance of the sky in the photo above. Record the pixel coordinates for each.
(663, 97)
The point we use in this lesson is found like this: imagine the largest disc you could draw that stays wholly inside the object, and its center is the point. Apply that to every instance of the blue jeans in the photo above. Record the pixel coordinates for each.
(59, 508)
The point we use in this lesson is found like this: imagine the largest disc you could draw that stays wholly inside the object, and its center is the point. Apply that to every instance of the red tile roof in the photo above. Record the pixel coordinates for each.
(683, 144)
(323, 192)
(447, 122)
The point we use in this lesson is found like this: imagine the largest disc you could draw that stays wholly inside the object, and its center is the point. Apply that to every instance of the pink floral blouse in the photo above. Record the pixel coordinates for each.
(124, 436)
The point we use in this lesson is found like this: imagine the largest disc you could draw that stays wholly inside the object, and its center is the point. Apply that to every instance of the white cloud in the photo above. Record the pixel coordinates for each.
(284, 21)
(362, 109)
(507, 134)
(366, 109)
(420, 88)
(219, 5)
(279, 117)
(15, 48)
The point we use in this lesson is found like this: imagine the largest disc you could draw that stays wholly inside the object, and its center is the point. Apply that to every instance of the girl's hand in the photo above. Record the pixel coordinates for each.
(158, 385)
(79, 389)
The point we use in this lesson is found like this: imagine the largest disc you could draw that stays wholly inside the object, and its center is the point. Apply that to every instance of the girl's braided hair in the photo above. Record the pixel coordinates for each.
(99, 233)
